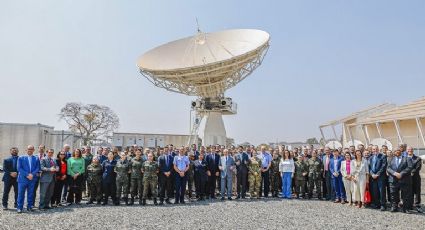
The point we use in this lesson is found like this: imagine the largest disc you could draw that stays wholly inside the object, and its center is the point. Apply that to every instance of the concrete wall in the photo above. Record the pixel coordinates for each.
(148, 140)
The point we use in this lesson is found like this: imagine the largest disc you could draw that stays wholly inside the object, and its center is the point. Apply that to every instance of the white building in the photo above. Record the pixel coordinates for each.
(21, 135)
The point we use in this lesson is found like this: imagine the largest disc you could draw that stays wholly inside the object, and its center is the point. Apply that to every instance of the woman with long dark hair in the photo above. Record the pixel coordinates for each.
(60, 179)
(75, 170)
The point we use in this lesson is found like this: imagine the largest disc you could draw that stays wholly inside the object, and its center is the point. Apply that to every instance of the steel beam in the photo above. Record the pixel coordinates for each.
(378, 127)
(397, 128)
(421, 132)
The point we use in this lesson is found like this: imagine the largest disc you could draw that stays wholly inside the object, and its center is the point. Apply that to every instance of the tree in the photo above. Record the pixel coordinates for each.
(312, 141)
(90, 121)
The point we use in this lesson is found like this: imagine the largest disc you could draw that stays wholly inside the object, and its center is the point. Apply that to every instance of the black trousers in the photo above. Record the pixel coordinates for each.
(400, 190)
(37, 183)
(212, 181)
(57, 192)
(75, 190)
(6, 190)
(242, 177)
(109, 190)
(378, 190)
(165, 186)
(330, 192)
(200, 186)
(265, 176)
(416, 191)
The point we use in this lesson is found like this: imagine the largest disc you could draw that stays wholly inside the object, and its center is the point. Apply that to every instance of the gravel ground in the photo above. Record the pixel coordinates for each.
(251, 214)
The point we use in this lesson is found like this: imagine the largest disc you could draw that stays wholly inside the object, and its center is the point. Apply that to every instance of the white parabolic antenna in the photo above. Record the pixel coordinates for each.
(206, 65)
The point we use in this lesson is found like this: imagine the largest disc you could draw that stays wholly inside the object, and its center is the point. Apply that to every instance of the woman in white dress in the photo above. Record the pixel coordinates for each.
(360, 178)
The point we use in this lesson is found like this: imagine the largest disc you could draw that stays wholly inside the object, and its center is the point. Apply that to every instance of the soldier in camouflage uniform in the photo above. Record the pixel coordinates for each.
(301, 171)
(150, 171)
(275, 174)
(254, 176)
(190, 175)
(88, 158)
(315, 170)
(136, 164)
(94, 181)
(122, 169)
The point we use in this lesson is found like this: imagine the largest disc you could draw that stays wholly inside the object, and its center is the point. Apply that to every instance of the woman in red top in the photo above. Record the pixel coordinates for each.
(60, 179)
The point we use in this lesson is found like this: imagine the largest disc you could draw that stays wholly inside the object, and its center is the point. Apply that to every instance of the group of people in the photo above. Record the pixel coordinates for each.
(339, 175)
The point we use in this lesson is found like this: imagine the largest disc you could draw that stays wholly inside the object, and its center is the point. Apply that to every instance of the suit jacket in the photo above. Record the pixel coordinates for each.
(8, 167)
(404, 168)
(200, 170)
(212, 165)
(46, 174)
(417, 165)
(332, 168)
(163, 167)
(24, 168)
(226, 167)
(243, 160)
(381, 164)
(344, 168)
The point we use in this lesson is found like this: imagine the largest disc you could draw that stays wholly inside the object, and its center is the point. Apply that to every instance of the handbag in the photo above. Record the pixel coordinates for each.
(367, 196)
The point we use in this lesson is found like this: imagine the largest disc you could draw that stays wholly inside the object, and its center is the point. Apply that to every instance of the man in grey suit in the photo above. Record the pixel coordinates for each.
(47, 180)
(226, 166)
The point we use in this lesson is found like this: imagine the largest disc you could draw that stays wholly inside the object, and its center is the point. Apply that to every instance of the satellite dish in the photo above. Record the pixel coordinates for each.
(382, 141)
(355, 143)
(334, 145)
(206, 65)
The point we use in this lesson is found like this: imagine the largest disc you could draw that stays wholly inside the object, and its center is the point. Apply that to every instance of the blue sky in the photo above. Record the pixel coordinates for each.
(327, 59)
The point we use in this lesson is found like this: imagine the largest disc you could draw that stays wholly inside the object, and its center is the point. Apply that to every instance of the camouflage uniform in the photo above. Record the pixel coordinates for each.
(150, 179)
(122, 169)
(254, 176)
(94, 182)
(87, 161)
(300, 168)
(275, 177)
(136, 178)
(315, 170)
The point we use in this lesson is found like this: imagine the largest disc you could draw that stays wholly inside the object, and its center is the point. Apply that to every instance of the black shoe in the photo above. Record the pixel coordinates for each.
(98, 202)
(394, 209)
(167, 201)
(104, 203)
(222, 198)
(154, 201)
(383, 208)
(131, 201)
(30, 210)
(161, 203)
(419, 210)
(19, 211)
(143, 202)
(407, 211)
(182, 202)
(229, 198)
(90, 202)
(238, 197)
(176, 202)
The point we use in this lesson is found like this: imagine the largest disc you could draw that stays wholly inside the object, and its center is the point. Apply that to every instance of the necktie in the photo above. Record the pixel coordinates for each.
(51, 162)
(14, 164)
(166, 161)
(29, 162)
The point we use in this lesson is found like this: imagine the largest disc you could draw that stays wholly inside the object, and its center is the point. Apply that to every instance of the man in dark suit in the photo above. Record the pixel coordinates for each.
(213, 171)
(415, 197)
(399, 171)
(28, 168)
(377, 166)
(165, 162)
(10, 175)
(242, 160)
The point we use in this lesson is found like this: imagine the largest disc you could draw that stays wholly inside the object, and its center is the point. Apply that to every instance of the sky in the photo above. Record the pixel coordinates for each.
(326, 59)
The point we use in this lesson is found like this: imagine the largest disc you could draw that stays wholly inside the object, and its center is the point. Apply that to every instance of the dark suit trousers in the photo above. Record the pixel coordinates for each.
(109, 188)
(180, 187)
(377, 190)
(396, 189)
(57, 193)
(212, 180)
(242, 177)
(416, 190)
(200, 185)
(265, 176)
(12, 182)
(166, 184)
(330, 191)
(46, 193)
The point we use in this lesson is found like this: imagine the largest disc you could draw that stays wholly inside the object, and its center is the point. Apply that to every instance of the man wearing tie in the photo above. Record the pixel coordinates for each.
(328, 189)
(10, 167)
(213, 172)
(165, 177)
(47, 179)
(242, 160)
(399, 170)
(40, 155)
(226, 166)
(28, 168)
(377, 166)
